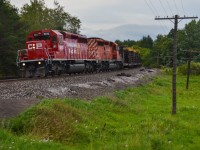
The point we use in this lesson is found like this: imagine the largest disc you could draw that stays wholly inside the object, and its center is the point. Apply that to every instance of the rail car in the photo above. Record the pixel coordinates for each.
(131, 58)
(52, 52)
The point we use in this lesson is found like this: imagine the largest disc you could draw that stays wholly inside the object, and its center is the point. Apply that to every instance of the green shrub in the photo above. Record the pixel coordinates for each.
(166, 70)
(194, 69)
(51, 120)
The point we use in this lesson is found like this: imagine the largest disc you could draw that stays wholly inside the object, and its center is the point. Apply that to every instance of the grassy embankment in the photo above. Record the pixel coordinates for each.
(136, 118)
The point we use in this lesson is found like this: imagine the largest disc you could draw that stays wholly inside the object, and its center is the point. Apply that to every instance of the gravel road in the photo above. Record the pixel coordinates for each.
(17, 96)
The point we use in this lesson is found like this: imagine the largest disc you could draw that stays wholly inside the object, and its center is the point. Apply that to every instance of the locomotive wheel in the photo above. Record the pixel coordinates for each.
(22, 73)
(87, 68)
(31, 71)
(43, 73)
(57, 69)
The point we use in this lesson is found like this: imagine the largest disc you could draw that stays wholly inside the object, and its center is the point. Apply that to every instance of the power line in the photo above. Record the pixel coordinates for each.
(155, 13)
(176, 7)
(154, 7)
(183, 10)
(163, 24)
(169, 7)
(166, 13)
(163, 7)
(150, 7)
(182, 7)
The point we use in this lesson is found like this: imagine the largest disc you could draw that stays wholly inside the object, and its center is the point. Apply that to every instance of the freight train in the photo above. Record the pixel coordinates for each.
(53, 52)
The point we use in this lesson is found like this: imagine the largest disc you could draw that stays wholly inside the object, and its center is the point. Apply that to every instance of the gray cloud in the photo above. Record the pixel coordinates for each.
(105, 15)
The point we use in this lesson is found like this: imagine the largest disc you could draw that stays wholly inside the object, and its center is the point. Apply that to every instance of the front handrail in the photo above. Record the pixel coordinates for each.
(19, 54)
(49, 60)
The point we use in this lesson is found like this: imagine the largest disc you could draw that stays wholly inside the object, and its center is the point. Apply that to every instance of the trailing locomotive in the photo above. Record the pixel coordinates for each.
(52, 52)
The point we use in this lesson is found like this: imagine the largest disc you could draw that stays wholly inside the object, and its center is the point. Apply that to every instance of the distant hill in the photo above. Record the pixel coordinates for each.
(125, 32)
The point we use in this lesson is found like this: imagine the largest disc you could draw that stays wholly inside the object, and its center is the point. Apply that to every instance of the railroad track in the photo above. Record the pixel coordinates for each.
(56, 76)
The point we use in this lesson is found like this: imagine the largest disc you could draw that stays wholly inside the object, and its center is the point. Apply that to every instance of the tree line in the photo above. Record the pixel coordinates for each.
(15, 24)
(158, 52)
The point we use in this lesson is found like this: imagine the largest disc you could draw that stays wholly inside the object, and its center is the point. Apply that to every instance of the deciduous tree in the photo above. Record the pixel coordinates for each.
(12, 37)
(38, 16)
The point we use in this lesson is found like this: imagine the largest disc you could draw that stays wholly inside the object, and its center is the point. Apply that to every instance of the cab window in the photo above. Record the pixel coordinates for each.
(82, 40)
(100, 43)
(54, 39)
(114, 47)
(46, 36)
(60, 38)
(43, 36)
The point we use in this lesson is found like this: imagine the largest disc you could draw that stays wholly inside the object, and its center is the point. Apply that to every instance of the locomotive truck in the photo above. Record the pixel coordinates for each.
(53, 52)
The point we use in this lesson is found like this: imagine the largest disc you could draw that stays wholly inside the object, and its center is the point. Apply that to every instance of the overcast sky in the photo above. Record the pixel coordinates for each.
(97, 15)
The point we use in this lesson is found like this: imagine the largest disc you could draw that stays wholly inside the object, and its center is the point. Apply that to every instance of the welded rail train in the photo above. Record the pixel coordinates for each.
(52, 52)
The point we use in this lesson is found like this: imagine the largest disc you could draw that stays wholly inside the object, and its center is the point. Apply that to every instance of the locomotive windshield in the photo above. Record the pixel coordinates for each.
(43, 36)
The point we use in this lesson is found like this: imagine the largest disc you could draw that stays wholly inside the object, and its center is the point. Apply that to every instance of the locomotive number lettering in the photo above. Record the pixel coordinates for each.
(35, 46)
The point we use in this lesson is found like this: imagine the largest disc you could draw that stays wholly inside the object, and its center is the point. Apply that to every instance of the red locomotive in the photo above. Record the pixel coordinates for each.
(52, 52)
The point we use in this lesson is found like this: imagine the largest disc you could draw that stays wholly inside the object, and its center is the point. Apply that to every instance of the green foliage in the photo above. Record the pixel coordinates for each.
(194, 69)
(38, 16)
(14, 28)
(126, 43)
(161, 48)
(12, 36)
(146, 42)
(136, 118)
(10, 141)
(142, 46)
(48, 120)
(144, 53)
(191, 35)
(166, 70)
(162, 51)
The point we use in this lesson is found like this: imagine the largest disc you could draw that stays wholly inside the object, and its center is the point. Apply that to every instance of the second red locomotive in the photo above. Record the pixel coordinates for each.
(52, 52)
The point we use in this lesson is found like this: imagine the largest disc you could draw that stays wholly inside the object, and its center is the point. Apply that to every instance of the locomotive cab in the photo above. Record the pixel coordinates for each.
(41, 47)
(52, 38)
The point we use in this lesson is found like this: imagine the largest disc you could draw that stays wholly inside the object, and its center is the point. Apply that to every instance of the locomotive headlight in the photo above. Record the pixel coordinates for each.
(23, 64)
(39, 63)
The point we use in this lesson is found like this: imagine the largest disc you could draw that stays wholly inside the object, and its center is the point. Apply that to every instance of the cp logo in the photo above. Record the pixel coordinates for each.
(35, 46)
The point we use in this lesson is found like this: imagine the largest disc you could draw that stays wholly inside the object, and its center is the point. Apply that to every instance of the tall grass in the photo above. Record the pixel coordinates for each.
(194, 68)
(136, 118)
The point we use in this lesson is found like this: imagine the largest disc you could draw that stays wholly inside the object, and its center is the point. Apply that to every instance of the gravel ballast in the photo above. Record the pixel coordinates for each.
(17, 96)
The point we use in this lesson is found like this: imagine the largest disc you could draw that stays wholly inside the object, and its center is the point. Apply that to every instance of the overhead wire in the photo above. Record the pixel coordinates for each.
(163, 7)
(154, 13)
(150, 7)
(161, 22)
(167, 9)
(182, 7)
(153, 7)
(185, 20)
(177, 11)
(170, 7)
(166, 13)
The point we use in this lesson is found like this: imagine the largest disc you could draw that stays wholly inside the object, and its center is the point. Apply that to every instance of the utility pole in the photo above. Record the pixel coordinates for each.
(189, 53)
(188, 69)
(176, 19)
